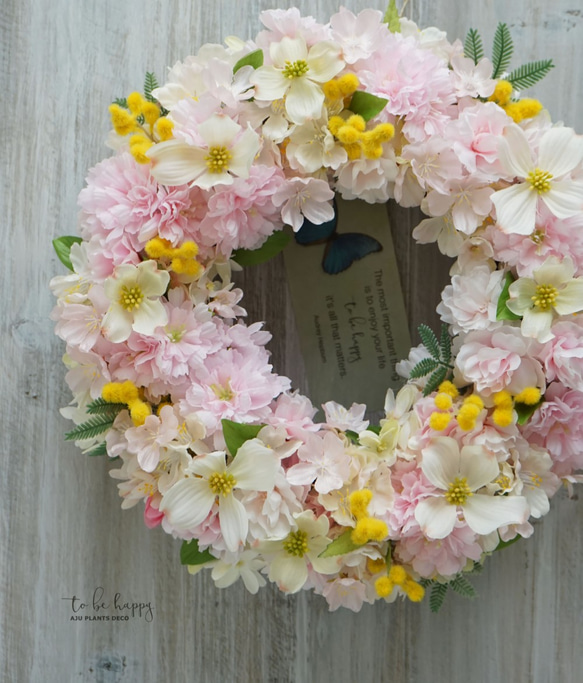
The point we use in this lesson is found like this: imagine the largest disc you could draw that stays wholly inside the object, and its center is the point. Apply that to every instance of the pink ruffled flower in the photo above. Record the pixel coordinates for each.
(123, 202)
(295, 413)
(170, 352)
(563, 355)
(234, 385)
(243, 215)
(469, 302)
(552, 237)
(446, 557)
(417, 84)
(499, 359)
(557, 426)
(475, 136)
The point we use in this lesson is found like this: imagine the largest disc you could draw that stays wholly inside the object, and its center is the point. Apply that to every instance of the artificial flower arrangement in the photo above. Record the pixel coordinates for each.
(170, 383)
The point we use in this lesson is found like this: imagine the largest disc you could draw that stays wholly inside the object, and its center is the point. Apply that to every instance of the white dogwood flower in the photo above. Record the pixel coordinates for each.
(189, 501)
(228, 150)
(459, 475)
(296, 74)
(134, 293)
(551, 291)
(545, 179)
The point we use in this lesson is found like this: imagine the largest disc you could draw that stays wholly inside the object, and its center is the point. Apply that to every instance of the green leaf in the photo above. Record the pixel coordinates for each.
(150, 83)
(392, 18)
(236, 434)
(376, 429)
(502, 310)
(340, 546)
(254, 59)
(190, 554)
(423, 367)
(270, 248)
(98, 450)
(90, 429)
(502, 50)
(463, 587)
(62, 245)
(429, 340)
(525, 412)
(529, 74)
(353, 436)
(473, 46)
(438, 593)
(102, 407)
(366, 105)
(445, 344)
(121, 102)
(505, 544)
(435, 380)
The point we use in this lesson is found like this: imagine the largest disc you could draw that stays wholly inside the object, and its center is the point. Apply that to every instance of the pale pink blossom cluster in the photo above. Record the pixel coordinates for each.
(214, 444)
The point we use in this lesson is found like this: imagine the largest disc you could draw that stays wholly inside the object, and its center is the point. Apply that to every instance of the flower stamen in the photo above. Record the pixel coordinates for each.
(539, 180)
(130, 297)
(218, 159)
(458, 491)
(222, 484)
(296, 543)
(545, 297)
(296, 69)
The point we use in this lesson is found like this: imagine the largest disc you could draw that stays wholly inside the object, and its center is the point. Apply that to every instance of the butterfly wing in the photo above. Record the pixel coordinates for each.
(310, 233)
(343, 250)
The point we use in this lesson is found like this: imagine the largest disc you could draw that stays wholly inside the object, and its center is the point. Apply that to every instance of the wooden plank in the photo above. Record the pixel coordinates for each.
(63, 532)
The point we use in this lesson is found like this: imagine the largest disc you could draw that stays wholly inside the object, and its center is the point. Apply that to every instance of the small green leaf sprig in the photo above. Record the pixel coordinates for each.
(439, 361)
(521, 78)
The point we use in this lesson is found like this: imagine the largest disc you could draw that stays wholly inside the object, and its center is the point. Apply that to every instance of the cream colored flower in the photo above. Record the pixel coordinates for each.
(551, 291)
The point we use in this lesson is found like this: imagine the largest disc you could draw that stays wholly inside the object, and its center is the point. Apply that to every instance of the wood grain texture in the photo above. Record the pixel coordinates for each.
(63, 532)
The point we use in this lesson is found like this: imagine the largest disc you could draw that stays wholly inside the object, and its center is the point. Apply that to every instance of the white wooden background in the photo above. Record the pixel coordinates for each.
(63, 532)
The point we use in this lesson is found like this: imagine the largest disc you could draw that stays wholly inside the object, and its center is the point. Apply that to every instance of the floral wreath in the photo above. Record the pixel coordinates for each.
(172, 385)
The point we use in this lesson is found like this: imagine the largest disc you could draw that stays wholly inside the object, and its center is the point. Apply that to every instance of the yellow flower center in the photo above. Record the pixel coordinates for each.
(458, 491)
(221, 484)
(503, 481)
(536, 480)
(130, 297)
(296, 543)
(296, 69)
(218, 159)
(545, 297)
(223, 393)
(538, 236)
(539, 180)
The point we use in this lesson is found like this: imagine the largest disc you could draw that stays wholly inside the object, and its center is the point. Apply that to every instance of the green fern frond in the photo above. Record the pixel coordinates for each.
(529, 74)
(90, 429)
(100, 406)
(423, 367)
(429, 340)
(437, 596)
(473, 46)
(150, 83)
(435, 380)
(445, 344)
(502, 50)
(101, 449)
(463, 587)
